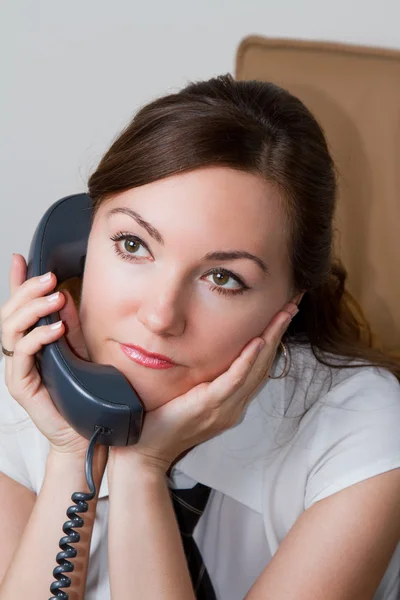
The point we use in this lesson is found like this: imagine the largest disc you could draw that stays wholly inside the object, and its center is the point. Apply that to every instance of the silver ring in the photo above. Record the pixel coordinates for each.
(7, 352)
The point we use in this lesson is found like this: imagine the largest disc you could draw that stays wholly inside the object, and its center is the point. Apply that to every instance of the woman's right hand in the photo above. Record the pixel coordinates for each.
(26, 304)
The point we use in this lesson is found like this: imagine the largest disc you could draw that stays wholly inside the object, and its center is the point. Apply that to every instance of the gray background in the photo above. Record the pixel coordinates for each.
(73, 73)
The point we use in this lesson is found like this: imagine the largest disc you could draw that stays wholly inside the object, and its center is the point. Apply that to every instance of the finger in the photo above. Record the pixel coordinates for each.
(254, 362)
(297, 299)
(276, 328)
(17, 272)
(292, 307)
(273, 337)
(28, 290)
(15, 326)
(73, 331)
(16, 277)
(26, 348)
(238, 374)
(234, 378)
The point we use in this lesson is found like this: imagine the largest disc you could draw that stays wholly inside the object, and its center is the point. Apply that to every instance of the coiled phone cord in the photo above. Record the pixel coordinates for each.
(81, 506)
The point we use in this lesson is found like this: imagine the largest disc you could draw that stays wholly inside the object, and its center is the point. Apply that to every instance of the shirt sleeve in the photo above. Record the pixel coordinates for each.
(15, 429)
(358, 433)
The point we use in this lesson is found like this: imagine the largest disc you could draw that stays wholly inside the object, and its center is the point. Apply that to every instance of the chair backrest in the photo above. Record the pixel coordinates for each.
(354, 92)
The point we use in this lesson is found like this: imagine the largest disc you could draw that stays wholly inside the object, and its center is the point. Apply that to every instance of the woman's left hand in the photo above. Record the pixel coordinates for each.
(211, 407)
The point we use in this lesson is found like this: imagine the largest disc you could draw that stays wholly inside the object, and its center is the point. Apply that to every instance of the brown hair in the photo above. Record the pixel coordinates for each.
(261, 128)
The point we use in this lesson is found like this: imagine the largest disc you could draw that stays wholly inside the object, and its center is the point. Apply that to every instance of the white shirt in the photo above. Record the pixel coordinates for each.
(263, 472)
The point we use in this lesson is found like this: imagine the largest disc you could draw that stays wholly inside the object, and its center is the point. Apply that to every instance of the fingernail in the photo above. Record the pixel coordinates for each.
(56, 325)
(45, 277)
(53, 297)
(260, 346)
(292, 309)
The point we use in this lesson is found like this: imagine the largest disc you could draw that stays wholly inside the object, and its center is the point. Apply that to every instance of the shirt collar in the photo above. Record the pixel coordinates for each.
(233, 461)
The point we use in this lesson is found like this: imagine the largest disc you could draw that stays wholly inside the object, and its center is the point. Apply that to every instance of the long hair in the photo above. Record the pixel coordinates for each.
(260, 128)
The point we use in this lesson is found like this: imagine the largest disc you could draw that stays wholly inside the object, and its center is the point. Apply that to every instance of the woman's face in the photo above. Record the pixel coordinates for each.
(156, 288)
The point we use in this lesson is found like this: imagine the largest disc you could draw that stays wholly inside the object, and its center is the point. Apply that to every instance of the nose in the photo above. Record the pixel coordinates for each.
(163, 312)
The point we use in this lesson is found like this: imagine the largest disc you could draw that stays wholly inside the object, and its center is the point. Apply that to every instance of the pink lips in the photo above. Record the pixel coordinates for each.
(153, 361)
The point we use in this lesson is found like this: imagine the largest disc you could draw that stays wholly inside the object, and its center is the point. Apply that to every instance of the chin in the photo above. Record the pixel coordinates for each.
(153, 394)
(151, 398)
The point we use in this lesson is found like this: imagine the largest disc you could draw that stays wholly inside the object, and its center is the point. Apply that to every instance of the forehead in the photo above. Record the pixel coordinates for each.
(216, 204)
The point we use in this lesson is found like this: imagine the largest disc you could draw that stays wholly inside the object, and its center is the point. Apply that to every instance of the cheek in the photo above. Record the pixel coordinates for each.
(99, 294)
(227, 338)
(240, 327)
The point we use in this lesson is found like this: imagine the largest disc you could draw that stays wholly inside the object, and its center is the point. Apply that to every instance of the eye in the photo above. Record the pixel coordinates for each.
(222, 276)
(126, 246)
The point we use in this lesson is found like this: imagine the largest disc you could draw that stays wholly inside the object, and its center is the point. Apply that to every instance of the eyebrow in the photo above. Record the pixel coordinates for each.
(217, 255)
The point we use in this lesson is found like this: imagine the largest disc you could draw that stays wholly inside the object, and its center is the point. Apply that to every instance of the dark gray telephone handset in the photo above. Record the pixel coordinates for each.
(85, 393)
(96, 400)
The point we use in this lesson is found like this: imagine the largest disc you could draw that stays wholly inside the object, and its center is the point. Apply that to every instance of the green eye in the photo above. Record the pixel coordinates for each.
(221, 278)
(128, 246)
(131, 245)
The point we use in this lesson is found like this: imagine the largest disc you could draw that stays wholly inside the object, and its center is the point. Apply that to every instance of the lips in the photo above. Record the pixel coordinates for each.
(150, 354)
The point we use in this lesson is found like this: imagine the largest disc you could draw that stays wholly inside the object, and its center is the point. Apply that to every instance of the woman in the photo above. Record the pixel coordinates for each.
(212, 232)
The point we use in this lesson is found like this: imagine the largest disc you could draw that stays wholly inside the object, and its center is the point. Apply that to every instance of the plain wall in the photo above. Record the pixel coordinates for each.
(74, 73)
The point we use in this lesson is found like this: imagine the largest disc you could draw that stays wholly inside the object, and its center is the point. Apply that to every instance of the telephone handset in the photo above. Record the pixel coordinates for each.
(96, 400)
(87, 395)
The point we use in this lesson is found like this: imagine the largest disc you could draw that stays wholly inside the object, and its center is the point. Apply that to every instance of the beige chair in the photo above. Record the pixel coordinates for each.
(354, 92)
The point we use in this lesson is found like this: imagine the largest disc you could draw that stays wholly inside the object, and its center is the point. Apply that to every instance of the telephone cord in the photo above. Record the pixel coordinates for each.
(81, 500)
